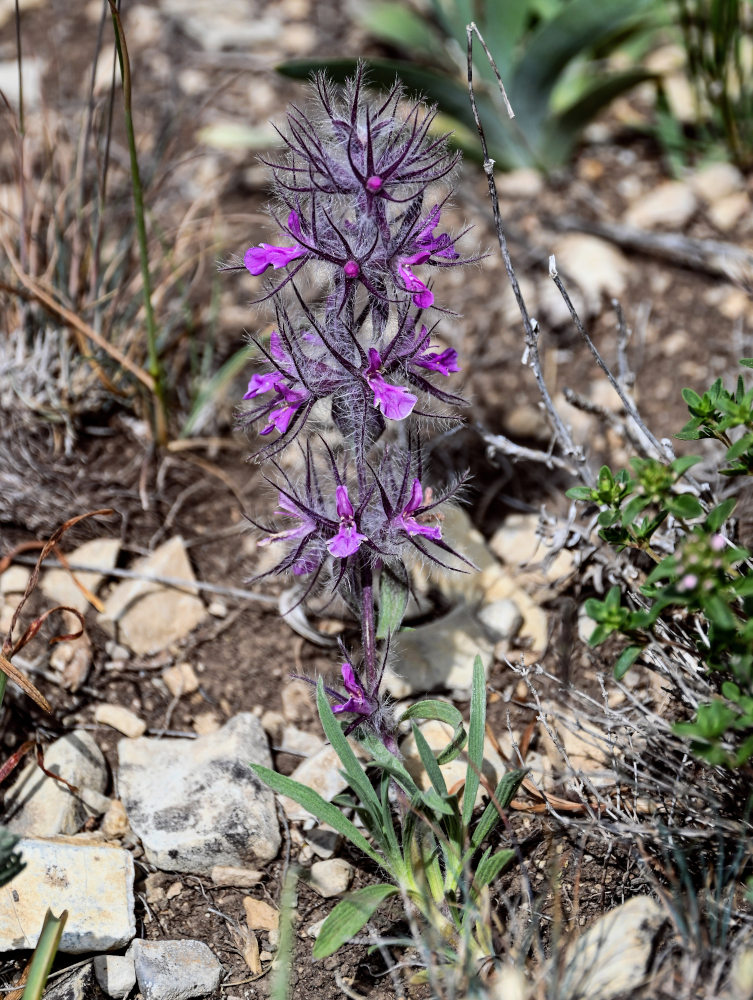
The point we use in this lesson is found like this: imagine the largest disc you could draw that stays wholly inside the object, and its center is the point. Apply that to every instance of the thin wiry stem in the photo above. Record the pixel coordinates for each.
(156, 369)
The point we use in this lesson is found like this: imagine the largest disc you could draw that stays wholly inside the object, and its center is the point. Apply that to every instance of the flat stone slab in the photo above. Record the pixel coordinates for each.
(197, 804)
(93, 882)
(147, 616)
(175, 970)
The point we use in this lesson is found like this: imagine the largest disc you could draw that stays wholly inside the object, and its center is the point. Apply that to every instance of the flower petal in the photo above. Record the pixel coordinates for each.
(411, 527)
(422, 297)
(342, 502)
(258, 259)
(416, 497)
(444, 362)
(395, 402)
(261, 383)
(345, 542)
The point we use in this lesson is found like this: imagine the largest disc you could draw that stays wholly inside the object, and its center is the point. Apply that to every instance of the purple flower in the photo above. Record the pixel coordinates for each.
(395, 402)
(288, 508)
(408, 522)
(359, 702)
(348, 539)
(258, 259)
(423, 297)
(444, 362)
(280, 418)
(435, 246)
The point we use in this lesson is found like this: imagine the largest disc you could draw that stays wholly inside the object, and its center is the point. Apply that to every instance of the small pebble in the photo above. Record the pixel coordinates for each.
(217, 609)
(240, 878)
(120, 718)
(260, 916)
(180, 679)
(331, 878)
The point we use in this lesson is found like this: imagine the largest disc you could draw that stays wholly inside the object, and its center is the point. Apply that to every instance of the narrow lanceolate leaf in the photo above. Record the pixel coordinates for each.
(503, 796)
(357, 777)
(393, 600)
(318, 807)
(429, 761)
(442, 711)
(349, 916)
(476, 730)
(491, 865)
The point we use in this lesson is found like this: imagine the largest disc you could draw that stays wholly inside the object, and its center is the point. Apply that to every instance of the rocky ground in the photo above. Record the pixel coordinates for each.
(170, 854)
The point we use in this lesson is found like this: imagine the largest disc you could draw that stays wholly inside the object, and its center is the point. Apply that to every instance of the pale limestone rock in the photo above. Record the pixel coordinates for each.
(39, 806)
(58, 585)
(120, 718)
(93, 882)
(197, 803)
(72, 658)
(439, 655)
(260, 916)
(115, 823)
(205, 723)
(175, 970)
(716, 181)
(14, 580)
(331, 878)
(502, 619)
(298, 703)
(297, 741)
(115, 974)
(611, 957)
(518, 543)
(599, 268)
(522, 184)
(728, 211)
(670, 205)
(149, 616)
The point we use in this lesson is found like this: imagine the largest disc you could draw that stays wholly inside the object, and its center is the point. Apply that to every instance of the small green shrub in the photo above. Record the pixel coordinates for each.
(704, 585)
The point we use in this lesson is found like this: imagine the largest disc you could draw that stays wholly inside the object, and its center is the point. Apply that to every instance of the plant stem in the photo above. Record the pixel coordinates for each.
(155, 368)
(3, 683)
(368, 631)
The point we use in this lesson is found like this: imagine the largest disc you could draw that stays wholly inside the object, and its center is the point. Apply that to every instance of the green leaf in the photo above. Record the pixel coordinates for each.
(44, 955)
(746, 362)
(692, 398)
(11, 863)
(442, 711)
(681, 465)
(580, 493)
(398, 25)
(393, 600)
(357, 777)
(503, 796)
(720, 513)
(739, 447)
(685, 506)
(489, 867)
(718, 612)
(429, 761)
(563, 131)
(666, 568)
(476, 732)
(625, 661)
(324, 811)
(349, 916)
(633, 508)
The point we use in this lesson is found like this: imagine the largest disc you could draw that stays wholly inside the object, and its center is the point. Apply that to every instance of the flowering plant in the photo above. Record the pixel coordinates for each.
(354, 211)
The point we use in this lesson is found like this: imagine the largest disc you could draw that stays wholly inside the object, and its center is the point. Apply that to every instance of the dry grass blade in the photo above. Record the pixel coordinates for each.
(10, 648)
(27, 546)
(71, 319)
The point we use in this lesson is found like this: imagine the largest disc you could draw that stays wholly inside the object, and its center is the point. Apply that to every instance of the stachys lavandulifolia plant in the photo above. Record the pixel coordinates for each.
(358, 215)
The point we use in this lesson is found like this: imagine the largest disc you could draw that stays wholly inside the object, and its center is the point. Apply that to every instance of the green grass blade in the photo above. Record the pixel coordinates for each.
(490, 866)
(44, 955)
(349, 916)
